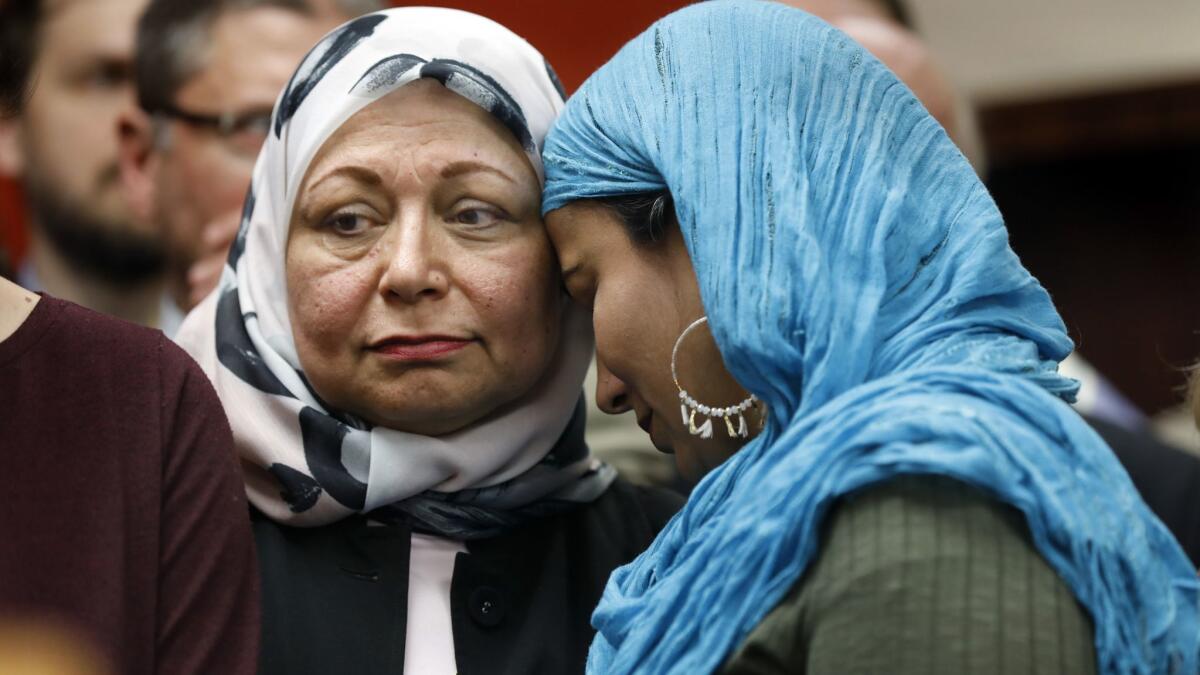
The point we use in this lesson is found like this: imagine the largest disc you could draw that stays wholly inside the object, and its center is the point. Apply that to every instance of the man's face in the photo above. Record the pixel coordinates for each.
(66, 134)
(200, 174)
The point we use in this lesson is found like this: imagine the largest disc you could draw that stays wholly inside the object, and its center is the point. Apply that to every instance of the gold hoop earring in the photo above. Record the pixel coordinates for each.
(688, 406)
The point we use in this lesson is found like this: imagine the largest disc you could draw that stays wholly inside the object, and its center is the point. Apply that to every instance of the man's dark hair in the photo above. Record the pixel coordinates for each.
(173, 38)
(19, 24)
(899, 12)
(646, 215)
(172, 43)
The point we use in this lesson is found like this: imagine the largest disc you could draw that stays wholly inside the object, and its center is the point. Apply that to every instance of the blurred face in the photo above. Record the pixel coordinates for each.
(642, 297)
(201, 174)
(421, 285)
(904, 53)
(65, 148)
(870, 25)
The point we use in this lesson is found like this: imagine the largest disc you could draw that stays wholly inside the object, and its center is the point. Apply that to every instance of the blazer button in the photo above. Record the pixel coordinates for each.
(487, 606)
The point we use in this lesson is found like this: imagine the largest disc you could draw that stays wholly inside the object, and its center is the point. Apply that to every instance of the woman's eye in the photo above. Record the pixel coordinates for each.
(476, 217)
(346, 224)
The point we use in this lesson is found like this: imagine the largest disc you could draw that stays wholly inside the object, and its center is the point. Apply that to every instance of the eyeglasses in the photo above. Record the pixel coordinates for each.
(242, 133)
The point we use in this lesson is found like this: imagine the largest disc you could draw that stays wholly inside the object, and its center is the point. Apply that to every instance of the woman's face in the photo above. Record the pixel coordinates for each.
(642, 296)
(422, 289)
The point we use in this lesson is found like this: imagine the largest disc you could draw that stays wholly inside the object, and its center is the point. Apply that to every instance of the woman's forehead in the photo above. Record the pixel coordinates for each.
(583, 228)
(424, 121)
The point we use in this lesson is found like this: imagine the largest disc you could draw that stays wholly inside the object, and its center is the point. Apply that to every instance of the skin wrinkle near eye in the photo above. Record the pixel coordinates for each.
(356, 173)
(461, 168)
(358, 177)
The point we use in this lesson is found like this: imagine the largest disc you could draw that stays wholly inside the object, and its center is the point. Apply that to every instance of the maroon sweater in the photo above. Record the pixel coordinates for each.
(121, 506)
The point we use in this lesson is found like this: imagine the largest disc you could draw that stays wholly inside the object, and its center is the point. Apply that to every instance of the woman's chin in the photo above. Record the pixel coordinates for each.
(430, 415)
(664, 445)
(432, 423)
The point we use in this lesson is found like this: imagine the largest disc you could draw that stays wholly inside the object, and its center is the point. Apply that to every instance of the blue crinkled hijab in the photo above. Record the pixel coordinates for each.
(857, 278)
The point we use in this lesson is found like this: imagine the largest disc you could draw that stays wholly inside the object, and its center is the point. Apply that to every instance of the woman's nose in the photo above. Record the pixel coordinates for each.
(612, 395)
(415, 269)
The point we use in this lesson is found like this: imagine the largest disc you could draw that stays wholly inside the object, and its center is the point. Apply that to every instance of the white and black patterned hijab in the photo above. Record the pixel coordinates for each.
(306, 464)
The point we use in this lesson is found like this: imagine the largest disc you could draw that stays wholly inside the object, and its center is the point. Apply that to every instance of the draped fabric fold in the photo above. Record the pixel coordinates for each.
(857, 277)
(308, 465)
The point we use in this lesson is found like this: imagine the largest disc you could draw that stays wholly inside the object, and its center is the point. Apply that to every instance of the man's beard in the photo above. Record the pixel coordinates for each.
(93, 245)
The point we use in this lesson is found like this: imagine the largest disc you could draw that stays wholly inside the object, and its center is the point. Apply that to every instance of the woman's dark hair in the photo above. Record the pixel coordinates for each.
(646, 214)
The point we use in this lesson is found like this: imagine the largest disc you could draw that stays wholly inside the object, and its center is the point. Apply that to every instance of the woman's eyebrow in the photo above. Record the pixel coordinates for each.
(356, 173)
(455, 169)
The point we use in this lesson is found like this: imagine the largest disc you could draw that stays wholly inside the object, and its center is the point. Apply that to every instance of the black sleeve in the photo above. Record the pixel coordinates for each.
(1167, 478)
(659, 504)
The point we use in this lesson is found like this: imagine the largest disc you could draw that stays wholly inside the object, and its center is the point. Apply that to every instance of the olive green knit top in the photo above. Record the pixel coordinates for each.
(923, 575)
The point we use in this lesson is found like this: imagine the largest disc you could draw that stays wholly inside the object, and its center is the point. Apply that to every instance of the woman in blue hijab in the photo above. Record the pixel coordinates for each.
(835, 282)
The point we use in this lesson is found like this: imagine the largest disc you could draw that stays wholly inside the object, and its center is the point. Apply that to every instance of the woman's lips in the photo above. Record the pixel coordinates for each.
(419, 348)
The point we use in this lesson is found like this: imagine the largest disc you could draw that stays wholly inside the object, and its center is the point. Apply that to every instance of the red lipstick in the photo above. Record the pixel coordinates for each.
(414, 348)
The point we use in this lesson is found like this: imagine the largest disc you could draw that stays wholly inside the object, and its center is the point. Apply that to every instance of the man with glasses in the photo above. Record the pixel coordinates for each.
(207, 74)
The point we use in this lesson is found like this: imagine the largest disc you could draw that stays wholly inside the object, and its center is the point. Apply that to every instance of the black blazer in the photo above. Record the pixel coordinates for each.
(1167, 478)
(335, 598)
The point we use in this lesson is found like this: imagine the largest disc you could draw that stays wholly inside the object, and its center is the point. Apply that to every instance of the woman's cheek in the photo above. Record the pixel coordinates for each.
(327, 300)
(519, 302)
(611, 334)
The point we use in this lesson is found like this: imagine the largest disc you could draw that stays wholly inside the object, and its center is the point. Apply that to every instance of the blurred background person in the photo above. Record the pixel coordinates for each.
(73, 58)
(1090, 112)
(206, 74)
(883, 27)
(123, 521)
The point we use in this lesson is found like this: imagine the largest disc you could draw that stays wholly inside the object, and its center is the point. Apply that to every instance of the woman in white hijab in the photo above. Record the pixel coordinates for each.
(402, 370)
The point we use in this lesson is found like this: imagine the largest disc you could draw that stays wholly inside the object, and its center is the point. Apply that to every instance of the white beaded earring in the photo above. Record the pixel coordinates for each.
(688, 406)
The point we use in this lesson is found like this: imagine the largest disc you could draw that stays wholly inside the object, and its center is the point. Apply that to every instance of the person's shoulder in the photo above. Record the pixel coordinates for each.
(914, 524)
(627, 517)
(146, 360)
(85, 346)
(657, 504)
(136, 349)
(106, 337)
(905, 570)
(79, 316)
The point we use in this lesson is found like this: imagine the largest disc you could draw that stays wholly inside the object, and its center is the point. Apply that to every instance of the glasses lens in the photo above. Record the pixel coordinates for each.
(247, 136)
